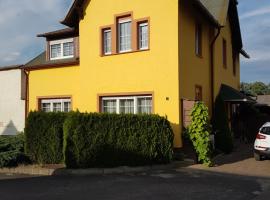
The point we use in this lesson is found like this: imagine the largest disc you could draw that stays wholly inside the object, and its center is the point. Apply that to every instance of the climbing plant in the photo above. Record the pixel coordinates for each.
(199, 133)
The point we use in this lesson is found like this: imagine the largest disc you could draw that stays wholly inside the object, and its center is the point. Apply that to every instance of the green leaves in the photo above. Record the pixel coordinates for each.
(98, 140)
(199, 133)
(12, 151)
(108, 140)
(44, 137)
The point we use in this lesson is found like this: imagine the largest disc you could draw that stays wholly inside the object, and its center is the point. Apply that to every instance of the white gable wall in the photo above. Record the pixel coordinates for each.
(12, 107)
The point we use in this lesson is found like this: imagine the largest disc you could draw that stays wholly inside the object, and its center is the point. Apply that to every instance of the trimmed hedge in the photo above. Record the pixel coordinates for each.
(12, 151)
(44, 137)
(109, 140)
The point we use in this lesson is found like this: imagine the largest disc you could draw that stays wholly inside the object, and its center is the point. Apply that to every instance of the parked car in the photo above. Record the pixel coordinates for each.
(262, 143)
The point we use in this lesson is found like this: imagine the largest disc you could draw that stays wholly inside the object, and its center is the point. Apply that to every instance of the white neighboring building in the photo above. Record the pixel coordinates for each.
(12, 100)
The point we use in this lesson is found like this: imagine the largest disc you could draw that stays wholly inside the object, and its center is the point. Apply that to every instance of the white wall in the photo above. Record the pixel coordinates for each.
(12, 108)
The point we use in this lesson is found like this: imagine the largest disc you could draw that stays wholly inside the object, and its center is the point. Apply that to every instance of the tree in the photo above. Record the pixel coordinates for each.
(256, 88)
(259, 88)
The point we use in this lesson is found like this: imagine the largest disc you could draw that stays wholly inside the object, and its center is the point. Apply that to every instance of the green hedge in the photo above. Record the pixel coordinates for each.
(108, 140)
(12, 151)
(44, 137)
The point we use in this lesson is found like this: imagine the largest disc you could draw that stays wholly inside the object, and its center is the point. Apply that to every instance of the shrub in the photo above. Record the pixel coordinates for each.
(12, 151)
(199, 133)
(44, 137)
(108, 140)
(223, 135)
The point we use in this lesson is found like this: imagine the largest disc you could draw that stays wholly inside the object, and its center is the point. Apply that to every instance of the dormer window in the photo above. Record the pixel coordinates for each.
(61, 49)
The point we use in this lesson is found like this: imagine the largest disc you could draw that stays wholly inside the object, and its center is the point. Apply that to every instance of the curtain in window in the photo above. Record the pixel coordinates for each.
(107, 35)
(46, 107)
(125, 36)
(55, 50)
(109, 106)
(126, 106)
(143, 35)
(68, 49)
(145, 105)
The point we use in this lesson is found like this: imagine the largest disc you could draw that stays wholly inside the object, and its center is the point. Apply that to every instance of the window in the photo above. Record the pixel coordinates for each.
(124, 35)
(61, 49)
(198, 93)
(235, 60)
(198, 40)
(224, 53)
(55, 105)
(265, 130)
(145, 105)
(143, 35)
(68, 49)
(127, 105)
(109, 105)
(55, 50)
(107, 41)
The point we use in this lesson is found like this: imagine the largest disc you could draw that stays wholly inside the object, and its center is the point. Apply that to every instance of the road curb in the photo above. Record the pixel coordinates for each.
(41, 171)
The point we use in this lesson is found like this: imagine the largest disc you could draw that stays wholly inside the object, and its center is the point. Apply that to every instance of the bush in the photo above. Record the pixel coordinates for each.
(199, 133)
(12, 151)
(44, 137)
(109, 140)
(223, 135)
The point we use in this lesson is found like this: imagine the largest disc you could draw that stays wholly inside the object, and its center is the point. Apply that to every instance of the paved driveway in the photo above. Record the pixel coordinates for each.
(177, 184)
(240, 162)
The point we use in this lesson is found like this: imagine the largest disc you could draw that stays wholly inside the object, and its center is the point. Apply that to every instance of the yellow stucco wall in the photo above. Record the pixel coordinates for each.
(154, 71)
(54, 82)
(170, 69)
(194, 70)
(221, 74)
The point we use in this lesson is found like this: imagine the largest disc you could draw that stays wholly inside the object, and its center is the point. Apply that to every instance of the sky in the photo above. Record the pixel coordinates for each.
(22, 20)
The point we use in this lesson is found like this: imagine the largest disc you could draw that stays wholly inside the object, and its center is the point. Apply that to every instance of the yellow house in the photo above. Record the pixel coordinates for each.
(140, 56)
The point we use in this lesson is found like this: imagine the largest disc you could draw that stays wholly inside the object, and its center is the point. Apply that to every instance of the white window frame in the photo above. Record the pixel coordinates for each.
(134, 98)
(147, 38)
(105, 40)
(61, 42)
(52, 101)
(122, 21)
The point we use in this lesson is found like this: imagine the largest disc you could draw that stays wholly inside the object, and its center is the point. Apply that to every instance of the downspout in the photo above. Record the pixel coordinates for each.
(27, 73)
(212, 68)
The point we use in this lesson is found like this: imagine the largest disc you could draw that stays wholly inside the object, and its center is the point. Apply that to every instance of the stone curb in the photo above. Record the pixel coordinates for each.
(28, 170)
(34, 170)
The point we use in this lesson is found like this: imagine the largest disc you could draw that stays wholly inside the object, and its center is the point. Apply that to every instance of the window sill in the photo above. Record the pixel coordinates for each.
(61, 58)
(121, 53)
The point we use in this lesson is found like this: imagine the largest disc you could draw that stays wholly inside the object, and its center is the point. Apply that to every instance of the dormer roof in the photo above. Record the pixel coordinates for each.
(60, 34)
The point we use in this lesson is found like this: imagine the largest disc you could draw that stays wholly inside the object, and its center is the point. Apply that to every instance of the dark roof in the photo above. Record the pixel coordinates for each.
(263, 99)
(11, 67)
(217, 8)
(40, 62)
(73, 16)
(230, 94)
(62, 33)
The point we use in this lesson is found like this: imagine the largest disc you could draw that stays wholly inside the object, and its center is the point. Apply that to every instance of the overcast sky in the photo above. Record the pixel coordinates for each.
(22, 20)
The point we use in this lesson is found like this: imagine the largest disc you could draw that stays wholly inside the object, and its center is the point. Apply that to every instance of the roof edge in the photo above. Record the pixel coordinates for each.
(244, 53)
(207, 12)
(11, 67)
(53, 65)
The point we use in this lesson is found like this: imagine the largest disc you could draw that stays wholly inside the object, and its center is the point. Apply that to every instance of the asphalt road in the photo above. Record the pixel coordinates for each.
(178, 184)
